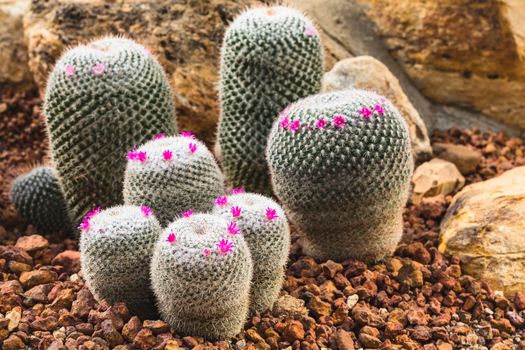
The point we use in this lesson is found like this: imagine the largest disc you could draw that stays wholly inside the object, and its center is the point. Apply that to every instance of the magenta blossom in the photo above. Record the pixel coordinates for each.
(69, 70)
(206, 251)
(84, 225)
(167, 155)
(284, 122)
(146, 211)
(365, 112)
(225, 246)
(171, 238)
(159, 136)
(187, 214)
(233, 229)
(222, 200)
(192, 147)
(236, 211)
(379, 109)
(339, 121)
(98, 69)
(187, 134)
(321, 123)
(237, 190)
(310, 30)
(141, 156)
(93, 212)
(271, 214)
(132, 155)
(295, 125)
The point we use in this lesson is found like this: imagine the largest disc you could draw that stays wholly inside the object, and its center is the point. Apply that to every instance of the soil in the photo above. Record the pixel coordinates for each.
(418, 299)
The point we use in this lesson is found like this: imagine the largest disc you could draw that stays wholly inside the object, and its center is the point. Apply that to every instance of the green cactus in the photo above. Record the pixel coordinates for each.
(341, 165)
(177, 174)
(116, 245)
(102, 99)
(201, 275)
(38, 198)
(263, 225)
(271, 56)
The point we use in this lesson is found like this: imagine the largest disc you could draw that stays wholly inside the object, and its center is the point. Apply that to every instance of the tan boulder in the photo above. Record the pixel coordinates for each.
(367, 73)
(485, 228)
(466, 53)
(436, 177)
(465, 158)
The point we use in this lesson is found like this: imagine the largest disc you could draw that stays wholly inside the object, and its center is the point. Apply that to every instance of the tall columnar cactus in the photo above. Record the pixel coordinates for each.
(116, 245)
(172, 175)
(201, 272)
(271, 57)
(38, 198)
(265, 229)
(341, 165)
(102, 99)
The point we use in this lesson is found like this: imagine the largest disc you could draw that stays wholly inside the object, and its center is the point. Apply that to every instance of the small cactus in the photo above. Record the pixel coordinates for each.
(116, 245)
(175, 174)
(341, 165)
(102, 99)
(38, 198)
(201, 276)
(265, 229)
(271, 57)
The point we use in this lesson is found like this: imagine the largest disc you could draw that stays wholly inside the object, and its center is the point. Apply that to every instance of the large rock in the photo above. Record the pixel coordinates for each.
(485, 228)
(13, 53)
(185, 35)
(367, 73)
(434, 178)
(467, 53)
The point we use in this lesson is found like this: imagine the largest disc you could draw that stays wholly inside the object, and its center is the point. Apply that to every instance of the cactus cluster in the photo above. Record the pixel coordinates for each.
(271, 56)
(263, 224)
(38, 198)
(201, 275)
(116, 246)
(341, 165)
(102, 99)
(172, 175)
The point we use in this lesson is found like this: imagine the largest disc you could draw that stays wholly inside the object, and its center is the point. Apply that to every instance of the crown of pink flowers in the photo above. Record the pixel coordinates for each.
(146, 211)
(233, 229)
(187, 134)
(172, 238)
(86, 221)
(237, 190)
(187, 214)
(221, 200)
(225, 246)
(159, 136)
(136, 155)
(271, 214)
(236, 211)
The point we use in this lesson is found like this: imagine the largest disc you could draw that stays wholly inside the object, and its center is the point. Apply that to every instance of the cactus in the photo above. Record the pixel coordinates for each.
(341, 165)
(178, 173)
(101, 99)
(38, 198)
(116, 245)
(265, 229)
(271, 56)
(201, 275)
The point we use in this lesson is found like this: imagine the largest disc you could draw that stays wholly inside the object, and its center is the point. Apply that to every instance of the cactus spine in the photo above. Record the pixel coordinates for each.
(101, 99)
(341, 165)
(271, 56)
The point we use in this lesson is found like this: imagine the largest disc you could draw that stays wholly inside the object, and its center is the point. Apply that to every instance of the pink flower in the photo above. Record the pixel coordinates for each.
(379, 109)
(206, 251)
(69, 70)
(284, 122)
(146, 211)
(187, 134)
(295, 125)
(187, 214)
(223, 200)
(141, 156)
(321, 123)
(159, 136)
(98, 69)
(132, 155)
(271, 214)
(84, 225)
(171, 238)
(236, 211)
(93, 212)
(233, 229)
(192, 147)
(237, 190)
(167, 155)
(339, 121)
(225, 246)
(365, 112)
(309, 30)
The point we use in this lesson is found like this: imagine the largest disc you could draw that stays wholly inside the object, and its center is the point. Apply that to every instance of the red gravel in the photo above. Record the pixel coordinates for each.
(418, 299)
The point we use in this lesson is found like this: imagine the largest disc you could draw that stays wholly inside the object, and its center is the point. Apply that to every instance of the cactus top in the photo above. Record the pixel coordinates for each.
(118, 218)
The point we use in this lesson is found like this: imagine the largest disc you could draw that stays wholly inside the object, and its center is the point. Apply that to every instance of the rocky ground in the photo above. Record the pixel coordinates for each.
(417, 299)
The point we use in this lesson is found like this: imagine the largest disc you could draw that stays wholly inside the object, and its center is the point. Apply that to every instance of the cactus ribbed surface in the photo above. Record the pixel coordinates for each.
(38, 198)
(116, 246)
(102, 99)
(201, 277)
(341, 165)
(263, 225)
(271, 57)
(176, 174)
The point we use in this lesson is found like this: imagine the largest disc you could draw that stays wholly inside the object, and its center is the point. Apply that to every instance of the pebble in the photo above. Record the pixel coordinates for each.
(34, 278)
(293, 331)
(32, 243)
(288, 305)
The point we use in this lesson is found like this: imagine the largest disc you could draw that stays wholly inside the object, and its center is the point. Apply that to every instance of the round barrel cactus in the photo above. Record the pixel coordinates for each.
(103, 98)
(341, 165)
(201, 273)
(265, 229)
(271, 56)
(172, 175)
(116, 246)
(38, 198)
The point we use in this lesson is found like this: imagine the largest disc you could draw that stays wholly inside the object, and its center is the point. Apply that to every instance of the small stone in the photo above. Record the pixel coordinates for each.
(503, 325)
(172, 345)
(344, 340)
(14, 318)
(64, 300)
(463, 157)
(288, 305)
(48, 323)
(70, 259)
(144, 339)
(36, 277)
(252, 335)
(293, 331)
(130, 329)
(519, 300)
(18, 267)
(32, 243)
(331, 268)
(38, 294)
(394, 265)
(410, 273)
(83, 303)
(436, 177)
(421, 334)
(320, 307)
(444, 346)
(157, 326)
(352, 300)
(393, 329)
(364, 315)
(369, 341)
(417, 316)
(13, 342)
(109, 333)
